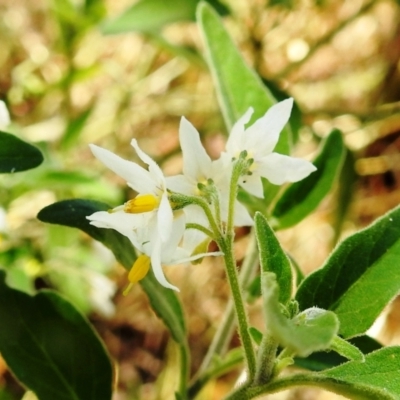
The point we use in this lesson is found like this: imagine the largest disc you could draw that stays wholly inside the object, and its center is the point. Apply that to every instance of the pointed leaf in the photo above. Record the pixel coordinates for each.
(377, 375)
(17, 155)
(322, 360)
(312, 330)
(273, 258)
(301, 198)
(152, 15)
(238, 86)
(73, 213)
(346, 349)
(360, 277)
(51, 348)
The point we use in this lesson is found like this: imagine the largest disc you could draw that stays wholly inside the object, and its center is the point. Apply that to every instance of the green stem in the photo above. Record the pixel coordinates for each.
(184, 370)
(266, 360)
(192, 225)
(225, 329)
(226, 246)
(349, 390)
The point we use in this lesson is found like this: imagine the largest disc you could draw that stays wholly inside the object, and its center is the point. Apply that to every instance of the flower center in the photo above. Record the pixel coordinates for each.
(141, 203)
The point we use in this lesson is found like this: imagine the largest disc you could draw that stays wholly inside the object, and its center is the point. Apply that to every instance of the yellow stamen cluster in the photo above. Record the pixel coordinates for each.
(141, 203)
(139, 270)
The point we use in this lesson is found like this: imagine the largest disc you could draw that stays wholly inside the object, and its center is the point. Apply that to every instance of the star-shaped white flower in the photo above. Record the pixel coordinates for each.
(149, 184)
(259, 141)
(148, 218)
(198, 168)
(146, 241)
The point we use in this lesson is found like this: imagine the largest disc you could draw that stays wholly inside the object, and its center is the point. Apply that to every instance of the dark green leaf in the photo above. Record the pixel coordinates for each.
(17, 155)
(73, 213)
(152, 15)
(51, 348)
(273, 258)
(301, 198)
(360, 278)
(312, 330)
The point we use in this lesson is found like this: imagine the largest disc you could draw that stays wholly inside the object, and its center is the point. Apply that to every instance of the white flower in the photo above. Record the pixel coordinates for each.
(145, 239)
(151, 188)
(259, 141)
(4, 115)
(147, 220)
(198, 168)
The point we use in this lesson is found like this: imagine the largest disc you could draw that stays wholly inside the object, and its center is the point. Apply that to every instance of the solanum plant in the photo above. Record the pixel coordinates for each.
(172, 220)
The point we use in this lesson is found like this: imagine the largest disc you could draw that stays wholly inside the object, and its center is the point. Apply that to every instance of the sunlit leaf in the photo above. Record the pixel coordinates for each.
(360, 278)
(73, 213)
(51, 348)
(273, 258)
(301, 198)
(312, 330)
(17, 155)
(152, 15)
(375, 378)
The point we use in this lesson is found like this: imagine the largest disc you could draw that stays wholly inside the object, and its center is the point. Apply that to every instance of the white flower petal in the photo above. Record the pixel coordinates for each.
(236, 136)
(119, 221)
(278, 168)
(196, 162)
(263, 135)
(137, 177)
(154, 169)
(242, 216)
(157, 267)
(181, 184)
(252, 184)
(4, 115)
(169, 247)
(164, 218)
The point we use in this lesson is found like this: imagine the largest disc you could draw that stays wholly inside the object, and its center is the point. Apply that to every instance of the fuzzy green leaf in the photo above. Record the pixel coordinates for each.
(301, 198)
(360, 277)
(17, 155)
(273, 258)
(375, 378)
(51, 348)
(152, 15)
(238, 85)
(346, 349)
(73, 213)
(312, 330)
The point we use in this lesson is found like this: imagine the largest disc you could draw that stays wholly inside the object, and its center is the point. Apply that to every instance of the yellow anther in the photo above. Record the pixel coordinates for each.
(141, 203)
(139, 270)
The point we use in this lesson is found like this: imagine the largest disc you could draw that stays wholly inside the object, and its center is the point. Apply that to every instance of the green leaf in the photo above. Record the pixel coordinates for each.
(375, 378)
(346, 349)
(273, 258)
(152, 15)
(301, 198)
(359, 278)
(238, 85)
(17, 155)
(312, 330)
(327, 359)
(51, 348)
(164, 301)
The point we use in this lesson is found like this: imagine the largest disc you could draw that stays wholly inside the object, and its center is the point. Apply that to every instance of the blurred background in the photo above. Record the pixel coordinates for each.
(74, 72)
